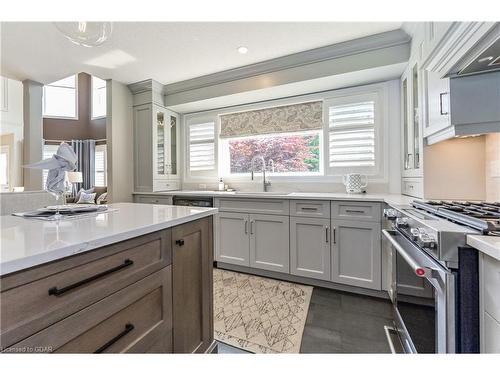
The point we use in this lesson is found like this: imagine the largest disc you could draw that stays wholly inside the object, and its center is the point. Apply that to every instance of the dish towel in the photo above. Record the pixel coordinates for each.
(63, 160)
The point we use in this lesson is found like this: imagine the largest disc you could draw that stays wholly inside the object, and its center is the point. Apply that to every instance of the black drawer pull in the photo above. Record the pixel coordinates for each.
(54, 291)
(128, 327)
(309, 208)
(355, 211)
(179, 242)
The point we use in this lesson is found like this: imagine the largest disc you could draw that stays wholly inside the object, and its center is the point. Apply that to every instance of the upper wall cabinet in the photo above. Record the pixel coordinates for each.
(411, 121)
(155, 148)
(436, 105)
(156, 137)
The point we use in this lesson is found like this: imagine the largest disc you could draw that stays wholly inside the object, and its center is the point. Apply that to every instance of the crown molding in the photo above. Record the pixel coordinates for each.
(147, 85)
(331, 52)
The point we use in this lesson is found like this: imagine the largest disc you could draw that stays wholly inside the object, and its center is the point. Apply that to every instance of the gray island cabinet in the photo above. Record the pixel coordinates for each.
(151, 293)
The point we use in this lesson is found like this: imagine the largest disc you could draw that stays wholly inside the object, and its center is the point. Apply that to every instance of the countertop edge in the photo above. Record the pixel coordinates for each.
(482, 244)
(18, 265)
(375, 197)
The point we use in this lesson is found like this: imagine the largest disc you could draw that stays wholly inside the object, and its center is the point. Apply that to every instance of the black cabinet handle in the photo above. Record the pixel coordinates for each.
(54, 291)
(355, 211)
(179, 242)
(128, 328)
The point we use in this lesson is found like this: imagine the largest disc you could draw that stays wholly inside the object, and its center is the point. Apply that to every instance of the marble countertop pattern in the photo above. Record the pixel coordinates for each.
(27, 243)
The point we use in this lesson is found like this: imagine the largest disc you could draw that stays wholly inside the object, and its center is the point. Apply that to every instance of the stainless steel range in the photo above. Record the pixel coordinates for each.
(434, 274)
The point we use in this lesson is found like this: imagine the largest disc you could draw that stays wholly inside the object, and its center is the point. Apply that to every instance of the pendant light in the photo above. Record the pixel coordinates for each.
(87, 34)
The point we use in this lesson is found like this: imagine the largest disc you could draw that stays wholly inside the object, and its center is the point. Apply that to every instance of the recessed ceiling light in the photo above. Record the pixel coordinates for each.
(242, 50)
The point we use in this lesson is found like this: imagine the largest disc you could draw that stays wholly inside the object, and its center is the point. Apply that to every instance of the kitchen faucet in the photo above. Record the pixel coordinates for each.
(265, 184)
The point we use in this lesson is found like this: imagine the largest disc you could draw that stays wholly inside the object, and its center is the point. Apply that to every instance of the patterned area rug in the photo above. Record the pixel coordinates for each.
(258, 314)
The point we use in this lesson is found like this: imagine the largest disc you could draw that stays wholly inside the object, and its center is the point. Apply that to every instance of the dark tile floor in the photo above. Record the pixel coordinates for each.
(340, 322)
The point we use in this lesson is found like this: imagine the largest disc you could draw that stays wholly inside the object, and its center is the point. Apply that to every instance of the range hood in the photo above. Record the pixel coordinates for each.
(473, 106)
(486, 61)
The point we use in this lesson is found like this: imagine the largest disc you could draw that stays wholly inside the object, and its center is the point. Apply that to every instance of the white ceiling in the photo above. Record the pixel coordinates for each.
(165, 51)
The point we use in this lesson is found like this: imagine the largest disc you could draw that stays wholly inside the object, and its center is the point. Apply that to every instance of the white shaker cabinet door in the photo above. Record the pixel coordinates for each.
(269, 242)
(233, 238)
(356, 254)
(310, 254)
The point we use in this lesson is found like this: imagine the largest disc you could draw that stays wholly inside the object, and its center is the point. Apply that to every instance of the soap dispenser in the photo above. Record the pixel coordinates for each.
(221, 184)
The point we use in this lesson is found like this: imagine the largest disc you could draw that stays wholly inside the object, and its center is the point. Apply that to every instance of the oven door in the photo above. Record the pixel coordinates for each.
(423, 298)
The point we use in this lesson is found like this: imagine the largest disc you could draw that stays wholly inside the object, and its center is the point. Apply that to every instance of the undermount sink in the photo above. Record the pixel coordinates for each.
(260, 193)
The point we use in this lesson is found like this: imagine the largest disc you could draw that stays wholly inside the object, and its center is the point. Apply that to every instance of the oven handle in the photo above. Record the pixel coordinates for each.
(419, 271)
(389, 331)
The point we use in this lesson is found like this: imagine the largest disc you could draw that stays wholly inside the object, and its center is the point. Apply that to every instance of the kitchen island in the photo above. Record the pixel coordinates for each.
(135, 279)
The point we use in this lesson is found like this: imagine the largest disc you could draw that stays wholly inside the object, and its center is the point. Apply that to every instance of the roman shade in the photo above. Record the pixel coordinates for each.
(283, 119)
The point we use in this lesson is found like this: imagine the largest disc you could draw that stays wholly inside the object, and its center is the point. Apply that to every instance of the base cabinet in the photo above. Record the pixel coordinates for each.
(233, 241)
(356, 253)
(310, 254)
(149, 294)
(489, 304)
(269, 242)
(192, 282)
(254, 240)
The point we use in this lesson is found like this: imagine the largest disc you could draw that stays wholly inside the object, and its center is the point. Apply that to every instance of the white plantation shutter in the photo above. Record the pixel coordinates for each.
(100, 166)
(352, 135)
(202, 147)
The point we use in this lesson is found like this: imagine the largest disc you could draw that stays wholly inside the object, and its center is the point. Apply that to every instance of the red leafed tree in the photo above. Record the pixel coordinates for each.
(289, 153)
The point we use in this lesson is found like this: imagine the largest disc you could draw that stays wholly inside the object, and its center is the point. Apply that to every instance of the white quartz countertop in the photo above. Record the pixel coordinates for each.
(490, 245)
(396, 199)
(29, 242)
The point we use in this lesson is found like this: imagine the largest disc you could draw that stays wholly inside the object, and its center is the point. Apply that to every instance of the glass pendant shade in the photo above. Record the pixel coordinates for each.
(87, 34)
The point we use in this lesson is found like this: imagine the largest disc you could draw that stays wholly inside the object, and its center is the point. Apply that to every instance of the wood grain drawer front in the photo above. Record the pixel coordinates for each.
(491, 286)
(263, 206)
(151, 199)
(193, 286)
(137, 318)
(356, 211)
(307, 208)
(77, 283)
(412, 187)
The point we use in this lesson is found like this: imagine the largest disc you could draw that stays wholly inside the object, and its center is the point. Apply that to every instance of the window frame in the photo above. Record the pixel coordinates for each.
(225, 171)
(44, 98)
(385, 90)
(92, 117)
(195, 119)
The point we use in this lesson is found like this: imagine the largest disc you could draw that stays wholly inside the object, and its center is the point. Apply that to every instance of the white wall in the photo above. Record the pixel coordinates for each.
(119, 134)
(11, 122)
(391, 183)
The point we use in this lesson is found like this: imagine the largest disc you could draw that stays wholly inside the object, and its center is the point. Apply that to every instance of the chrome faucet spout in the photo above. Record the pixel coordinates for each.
(265, 183)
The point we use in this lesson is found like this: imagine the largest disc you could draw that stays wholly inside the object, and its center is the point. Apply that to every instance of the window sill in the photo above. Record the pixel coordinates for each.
(60, 118)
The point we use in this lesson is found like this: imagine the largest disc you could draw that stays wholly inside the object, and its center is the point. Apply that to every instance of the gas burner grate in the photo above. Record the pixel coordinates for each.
(484, 216)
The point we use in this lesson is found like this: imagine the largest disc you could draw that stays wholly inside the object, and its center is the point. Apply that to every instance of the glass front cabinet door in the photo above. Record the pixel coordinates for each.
(165, 124)
(159, 142)
(411, 123)
(173, 121)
